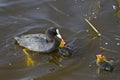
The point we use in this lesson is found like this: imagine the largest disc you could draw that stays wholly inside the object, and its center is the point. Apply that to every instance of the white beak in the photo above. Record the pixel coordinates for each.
(58, 34)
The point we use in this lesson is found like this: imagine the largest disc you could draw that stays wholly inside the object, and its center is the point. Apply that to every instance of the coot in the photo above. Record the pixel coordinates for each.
(103, 63)
(44, 43)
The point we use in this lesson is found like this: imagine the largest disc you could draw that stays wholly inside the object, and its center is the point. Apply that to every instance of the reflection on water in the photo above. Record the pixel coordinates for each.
(35, 16)
(54, 58)
(29, 60)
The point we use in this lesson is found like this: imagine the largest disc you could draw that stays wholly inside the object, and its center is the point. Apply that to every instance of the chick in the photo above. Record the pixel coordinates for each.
(103, 63)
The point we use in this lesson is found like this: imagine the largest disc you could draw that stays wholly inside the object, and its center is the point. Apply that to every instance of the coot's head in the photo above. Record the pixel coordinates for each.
(53, 32)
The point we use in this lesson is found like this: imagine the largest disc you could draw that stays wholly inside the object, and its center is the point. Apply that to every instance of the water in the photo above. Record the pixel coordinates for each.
(35, 16)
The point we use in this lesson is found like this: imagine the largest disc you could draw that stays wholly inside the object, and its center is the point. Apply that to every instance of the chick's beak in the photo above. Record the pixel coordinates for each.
(62, 43)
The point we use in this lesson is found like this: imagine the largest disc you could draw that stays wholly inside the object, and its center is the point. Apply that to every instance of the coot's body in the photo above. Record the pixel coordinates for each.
(105, 66)
(37, 42)
(44, 43)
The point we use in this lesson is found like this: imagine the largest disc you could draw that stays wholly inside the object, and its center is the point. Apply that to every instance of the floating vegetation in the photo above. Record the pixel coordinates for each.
(117, 38)
(106, 49)
(96, 33)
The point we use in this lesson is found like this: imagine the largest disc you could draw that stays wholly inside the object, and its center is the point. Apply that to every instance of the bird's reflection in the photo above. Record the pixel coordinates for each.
(29, 60)
(56, 59)
(53, 58)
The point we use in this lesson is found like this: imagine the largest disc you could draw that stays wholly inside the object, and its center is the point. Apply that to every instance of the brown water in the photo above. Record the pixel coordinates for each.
(18, 17)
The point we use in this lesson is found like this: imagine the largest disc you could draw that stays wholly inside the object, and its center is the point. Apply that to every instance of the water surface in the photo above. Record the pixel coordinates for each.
(35, 16)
